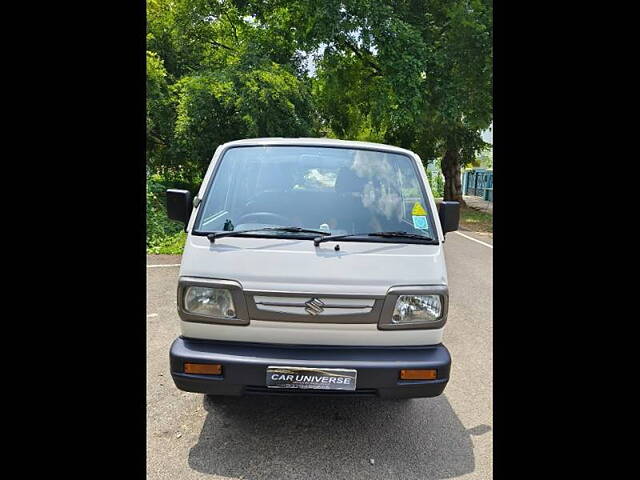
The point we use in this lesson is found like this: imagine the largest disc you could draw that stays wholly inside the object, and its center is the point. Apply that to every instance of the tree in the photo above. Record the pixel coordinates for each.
(216, 74)
(415, 73)
(160, 111)
(214, 108)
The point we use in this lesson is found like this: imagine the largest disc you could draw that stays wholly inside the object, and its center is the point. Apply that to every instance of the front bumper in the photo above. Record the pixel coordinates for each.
(244, 367)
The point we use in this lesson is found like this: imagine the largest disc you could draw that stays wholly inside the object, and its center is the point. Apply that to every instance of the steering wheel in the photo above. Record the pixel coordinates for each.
(270, 217)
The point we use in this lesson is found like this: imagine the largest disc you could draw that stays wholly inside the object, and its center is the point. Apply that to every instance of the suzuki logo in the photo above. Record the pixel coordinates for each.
(314, 306)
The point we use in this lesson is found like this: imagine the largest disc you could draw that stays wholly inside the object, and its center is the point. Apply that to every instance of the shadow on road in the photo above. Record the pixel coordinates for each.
(297, 437)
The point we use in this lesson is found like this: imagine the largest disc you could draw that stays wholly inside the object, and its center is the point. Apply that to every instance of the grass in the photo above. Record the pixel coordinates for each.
(169, 245)
(475, 220)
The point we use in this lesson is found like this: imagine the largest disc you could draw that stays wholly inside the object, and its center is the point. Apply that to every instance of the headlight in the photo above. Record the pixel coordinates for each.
(210, 302)
(415, 307)
(411, 309)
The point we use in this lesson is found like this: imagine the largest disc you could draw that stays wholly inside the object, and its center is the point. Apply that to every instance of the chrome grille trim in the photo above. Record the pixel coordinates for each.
(285, 306)
(300, 302)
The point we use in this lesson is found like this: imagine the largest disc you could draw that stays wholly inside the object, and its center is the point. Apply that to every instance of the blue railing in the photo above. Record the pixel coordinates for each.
(478, 182)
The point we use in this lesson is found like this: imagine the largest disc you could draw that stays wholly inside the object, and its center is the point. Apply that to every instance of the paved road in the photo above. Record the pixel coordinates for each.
(449, 436)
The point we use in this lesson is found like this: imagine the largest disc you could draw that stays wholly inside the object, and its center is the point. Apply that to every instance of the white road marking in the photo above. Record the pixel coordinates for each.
(151, 315)
(162, 266)
(474, 239)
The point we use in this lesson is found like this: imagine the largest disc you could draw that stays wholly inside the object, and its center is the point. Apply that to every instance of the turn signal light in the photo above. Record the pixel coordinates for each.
(203, 368)
(418, 374)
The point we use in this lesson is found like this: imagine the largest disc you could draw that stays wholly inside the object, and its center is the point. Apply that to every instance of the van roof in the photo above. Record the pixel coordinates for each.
(316, 142)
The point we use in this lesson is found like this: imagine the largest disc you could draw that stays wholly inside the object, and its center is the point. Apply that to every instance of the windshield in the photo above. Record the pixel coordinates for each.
(337, 190)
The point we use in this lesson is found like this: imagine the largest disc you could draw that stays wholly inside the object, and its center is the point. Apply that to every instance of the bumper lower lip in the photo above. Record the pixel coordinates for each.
(244, 367)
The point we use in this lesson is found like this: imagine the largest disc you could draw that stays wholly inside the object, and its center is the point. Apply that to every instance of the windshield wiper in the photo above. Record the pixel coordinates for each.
(318, 240)
(212, 236)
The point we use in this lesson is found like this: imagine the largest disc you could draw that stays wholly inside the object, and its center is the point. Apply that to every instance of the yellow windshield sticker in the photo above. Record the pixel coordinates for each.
(418, 209)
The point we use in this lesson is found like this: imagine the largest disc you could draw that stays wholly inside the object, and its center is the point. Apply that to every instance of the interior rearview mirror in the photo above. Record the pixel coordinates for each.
(449, 213)
(179, 205)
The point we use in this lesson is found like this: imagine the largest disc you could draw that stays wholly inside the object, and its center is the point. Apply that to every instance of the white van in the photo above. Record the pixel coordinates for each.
(312, 267)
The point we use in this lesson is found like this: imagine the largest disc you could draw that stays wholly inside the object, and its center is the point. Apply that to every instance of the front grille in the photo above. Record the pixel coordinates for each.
(313, 308)
(358, 392)
(326, 306)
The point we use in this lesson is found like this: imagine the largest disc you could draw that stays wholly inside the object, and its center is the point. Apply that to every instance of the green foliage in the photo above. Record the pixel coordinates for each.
(163, 235)
(436, 182)
(485, 159)
(206, 117)
(273, 102)
(160, 111)
(215, 74)
(418, 74)
(214, 108)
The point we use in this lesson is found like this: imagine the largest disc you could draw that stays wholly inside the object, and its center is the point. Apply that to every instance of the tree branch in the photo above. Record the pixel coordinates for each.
(359, 54)
(157, 139)
(198, 36)
(218, 44)
(233, 27)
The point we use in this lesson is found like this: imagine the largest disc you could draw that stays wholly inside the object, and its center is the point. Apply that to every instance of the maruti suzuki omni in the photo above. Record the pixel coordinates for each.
(312, 267)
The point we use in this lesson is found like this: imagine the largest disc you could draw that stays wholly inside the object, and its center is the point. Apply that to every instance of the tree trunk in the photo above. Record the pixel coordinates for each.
(450, 165)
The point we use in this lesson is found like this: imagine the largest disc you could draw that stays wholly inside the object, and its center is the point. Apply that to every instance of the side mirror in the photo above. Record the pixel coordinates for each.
(179, 206)
(449, 213)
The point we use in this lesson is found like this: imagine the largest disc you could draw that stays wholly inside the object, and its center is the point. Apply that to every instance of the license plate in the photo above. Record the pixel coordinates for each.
(311, 378)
